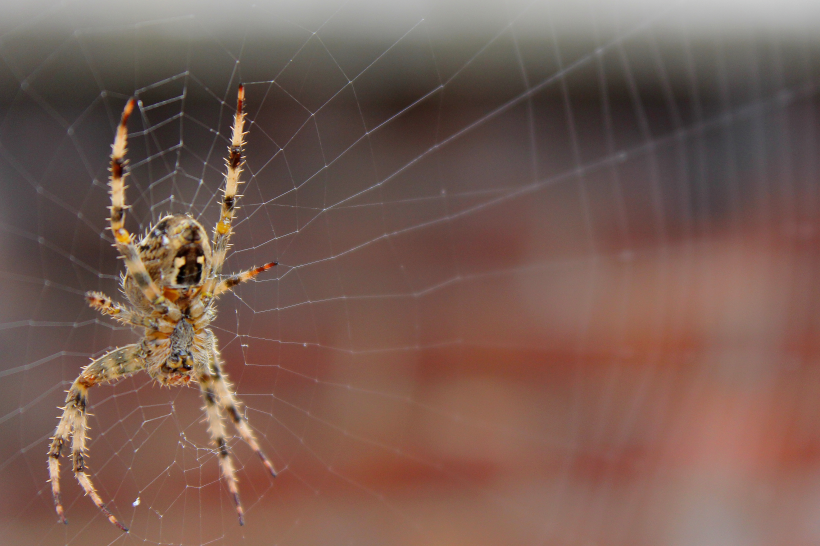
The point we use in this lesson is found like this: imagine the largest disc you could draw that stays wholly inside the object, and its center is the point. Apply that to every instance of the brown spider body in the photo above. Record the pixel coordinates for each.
(172, 282)
(177, 256)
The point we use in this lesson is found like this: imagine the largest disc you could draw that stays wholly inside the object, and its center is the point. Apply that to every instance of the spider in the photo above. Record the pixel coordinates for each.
(172, 281)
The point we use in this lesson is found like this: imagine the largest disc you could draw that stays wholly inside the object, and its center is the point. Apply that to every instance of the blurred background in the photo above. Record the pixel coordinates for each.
(547, 271)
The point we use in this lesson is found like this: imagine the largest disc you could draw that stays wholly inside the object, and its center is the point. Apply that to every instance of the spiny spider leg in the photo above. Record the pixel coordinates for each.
(123, 313)
(174, 303)
(216, 427)
(229, 403)
(123, 240)
(217, 394)
(222, 232)
(227, 284)
(74, 422)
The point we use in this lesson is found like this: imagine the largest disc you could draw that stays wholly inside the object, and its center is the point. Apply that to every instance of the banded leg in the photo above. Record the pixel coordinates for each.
(124, 243)
(227, 284)
(216, 427)
(229, 403)
(73, 423)
(124, 314)
(222, 233)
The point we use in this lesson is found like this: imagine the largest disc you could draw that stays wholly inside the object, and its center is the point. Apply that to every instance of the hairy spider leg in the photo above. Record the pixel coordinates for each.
(216, 427)
(217, 394)
(124, 314)
(222, 231)
(228, 401)
(123, 240)
(227, 284)
(74, 422)
(164, 320)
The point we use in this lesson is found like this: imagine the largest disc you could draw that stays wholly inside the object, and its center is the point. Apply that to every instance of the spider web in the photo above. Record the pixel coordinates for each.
(546, 273)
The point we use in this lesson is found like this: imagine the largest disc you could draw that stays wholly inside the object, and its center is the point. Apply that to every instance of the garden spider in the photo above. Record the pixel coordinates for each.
(172, 282)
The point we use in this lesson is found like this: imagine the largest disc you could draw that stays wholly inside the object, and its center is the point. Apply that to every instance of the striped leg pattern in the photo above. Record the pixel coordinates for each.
(123, 240)
(228, 402)
(222, 232)
(228, 284)
(74, 423)
(216, 426)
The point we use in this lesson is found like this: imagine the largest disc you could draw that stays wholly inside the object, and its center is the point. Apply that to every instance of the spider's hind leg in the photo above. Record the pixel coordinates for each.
(230, 404)
(217, 394)
(228, 401)
(74, 423)
(216, 427)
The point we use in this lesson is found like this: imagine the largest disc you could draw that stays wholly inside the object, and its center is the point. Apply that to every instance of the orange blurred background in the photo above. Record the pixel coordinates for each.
(546, 273)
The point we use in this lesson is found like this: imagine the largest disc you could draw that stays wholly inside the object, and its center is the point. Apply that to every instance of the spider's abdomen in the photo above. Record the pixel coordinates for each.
(188, 264)
(177, 255)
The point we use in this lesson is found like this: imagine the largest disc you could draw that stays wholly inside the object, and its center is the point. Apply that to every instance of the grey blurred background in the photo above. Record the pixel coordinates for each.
(547, 270)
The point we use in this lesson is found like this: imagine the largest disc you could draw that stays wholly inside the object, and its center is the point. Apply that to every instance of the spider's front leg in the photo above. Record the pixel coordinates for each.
(122, 238)
(74, 422)
(222, 232)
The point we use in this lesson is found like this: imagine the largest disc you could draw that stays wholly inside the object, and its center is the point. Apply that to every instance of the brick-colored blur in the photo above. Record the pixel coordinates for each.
(533, 287)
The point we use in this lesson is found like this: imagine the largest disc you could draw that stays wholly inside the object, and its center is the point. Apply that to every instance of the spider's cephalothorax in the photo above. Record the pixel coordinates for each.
(172, 281)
